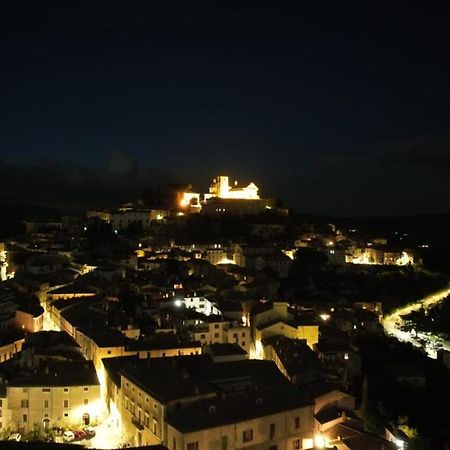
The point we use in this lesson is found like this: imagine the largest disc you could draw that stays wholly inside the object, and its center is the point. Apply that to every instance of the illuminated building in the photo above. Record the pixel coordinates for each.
(275, 417)
(124, 217)
(187, 200)
(373, 255)
(226, 199)
(218, 331)
(63, 393)
(194, 403)
(221, 188)
(275, 319)
(3, 263)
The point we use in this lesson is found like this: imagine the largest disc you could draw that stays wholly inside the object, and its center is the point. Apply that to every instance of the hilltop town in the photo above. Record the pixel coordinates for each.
(217, 320)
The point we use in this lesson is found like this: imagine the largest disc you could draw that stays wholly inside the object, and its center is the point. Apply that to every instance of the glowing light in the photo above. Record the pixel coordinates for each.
(324, 316)
(346, 356)
(159, 217)
(319, 441)
(178, 303)
(258, 351)
(180, 213)
(226, 261)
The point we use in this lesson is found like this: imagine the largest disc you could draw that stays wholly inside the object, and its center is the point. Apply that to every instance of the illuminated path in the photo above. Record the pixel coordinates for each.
(391, 328)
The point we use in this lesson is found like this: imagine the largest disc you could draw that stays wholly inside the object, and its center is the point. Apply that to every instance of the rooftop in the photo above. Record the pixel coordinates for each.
(234, 408)
(54, 374)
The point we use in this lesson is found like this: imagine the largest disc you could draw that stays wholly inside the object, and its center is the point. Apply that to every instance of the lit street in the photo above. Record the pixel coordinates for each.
(428, 342)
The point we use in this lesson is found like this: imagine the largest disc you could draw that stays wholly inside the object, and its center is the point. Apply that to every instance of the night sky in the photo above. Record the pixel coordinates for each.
(335, 107)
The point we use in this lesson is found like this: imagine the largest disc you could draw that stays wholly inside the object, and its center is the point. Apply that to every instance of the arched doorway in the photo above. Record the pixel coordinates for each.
(46, 424)
(86, 419)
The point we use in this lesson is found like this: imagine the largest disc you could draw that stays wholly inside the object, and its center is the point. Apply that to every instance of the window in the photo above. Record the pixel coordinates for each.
(66, 414)
(45, 389)
(24, 403)
(247, 436)
(155, 426)
(109, 352)
(297, 422)
(224, 442)
(66, 389)
(1, 402)
(202, 336)
(273, 447)
(146, 420)
(85, 389)
(24, 390)
(126, 402)
(192, 446)
(243, 344)
(243, 334)
(235, 335)
(45, 403)
(272, 431)
(297, 444)
(24, 417)
(86, 401)
(216, 325)
(216, 335)
(66, 403)
(46, 415)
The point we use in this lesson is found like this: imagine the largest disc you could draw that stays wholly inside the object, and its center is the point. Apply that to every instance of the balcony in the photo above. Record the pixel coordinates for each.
(137, 423)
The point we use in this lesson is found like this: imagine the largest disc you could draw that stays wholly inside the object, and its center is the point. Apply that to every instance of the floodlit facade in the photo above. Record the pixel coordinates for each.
(201, 305)
(59, 396)
(221, 188)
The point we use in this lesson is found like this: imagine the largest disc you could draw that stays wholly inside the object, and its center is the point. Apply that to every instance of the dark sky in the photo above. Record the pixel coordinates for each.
(335, 107)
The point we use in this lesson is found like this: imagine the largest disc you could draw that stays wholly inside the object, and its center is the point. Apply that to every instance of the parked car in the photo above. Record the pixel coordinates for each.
(79, 434)
(90, 432)
(15, 437)
(68, 436)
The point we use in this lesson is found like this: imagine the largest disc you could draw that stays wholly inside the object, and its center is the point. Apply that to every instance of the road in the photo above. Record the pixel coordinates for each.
(427, 342)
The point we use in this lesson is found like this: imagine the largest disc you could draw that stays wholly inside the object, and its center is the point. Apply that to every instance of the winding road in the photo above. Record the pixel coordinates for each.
(427, 342)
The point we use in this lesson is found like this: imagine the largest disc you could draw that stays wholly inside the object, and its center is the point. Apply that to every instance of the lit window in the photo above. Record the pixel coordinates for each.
(86, 401)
